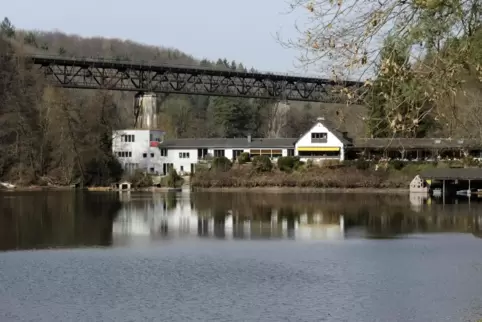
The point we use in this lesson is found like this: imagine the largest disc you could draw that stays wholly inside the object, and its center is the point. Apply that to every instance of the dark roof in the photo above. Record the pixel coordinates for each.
(423, 143)
(336, 131)
(256, 143)
(452, 174)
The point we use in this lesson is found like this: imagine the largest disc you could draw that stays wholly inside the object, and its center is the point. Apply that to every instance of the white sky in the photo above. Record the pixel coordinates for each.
(237, 30)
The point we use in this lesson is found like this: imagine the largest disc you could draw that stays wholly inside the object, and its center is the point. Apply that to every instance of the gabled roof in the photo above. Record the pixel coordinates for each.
(256, 143)
(333, 130)
(421, 143)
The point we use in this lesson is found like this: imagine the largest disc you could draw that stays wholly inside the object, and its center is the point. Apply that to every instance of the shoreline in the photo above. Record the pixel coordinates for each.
(226, 189)
(307, 190)
(90, 189)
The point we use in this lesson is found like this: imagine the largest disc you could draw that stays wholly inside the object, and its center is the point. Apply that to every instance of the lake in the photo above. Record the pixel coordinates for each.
(206, 256)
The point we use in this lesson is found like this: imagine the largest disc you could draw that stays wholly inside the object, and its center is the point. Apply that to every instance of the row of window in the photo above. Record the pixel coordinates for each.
(217, 153)
(128, 154)
(131, 166)
(319, 137)
(124, 154)
(132, 138)
(128, 138)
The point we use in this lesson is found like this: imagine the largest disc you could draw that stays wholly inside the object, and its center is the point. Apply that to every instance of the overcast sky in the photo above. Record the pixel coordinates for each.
(243, 30)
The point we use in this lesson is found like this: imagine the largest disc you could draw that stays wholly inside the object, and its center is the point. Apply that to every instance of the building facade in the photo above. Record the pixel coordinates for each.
(148, 151)
(321, 142)
(138, 150)
(184, 154)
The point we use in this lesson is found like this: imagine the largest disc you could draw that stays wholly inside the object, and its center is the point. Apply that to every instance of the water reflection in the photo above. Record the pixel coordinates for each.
(295, 216)
(31, 220)
(173, 216)
(40, 220)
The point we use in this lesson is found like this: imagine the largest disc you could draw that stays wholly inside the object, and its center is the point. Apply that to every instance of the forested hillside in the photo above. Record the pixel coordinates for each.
(195, 116)
(61, 136)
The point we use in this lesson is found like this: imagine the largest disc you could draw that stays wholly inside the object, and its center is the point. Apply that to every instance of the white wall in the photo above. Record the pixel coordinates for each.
(185, 163)
(138, 148)
(332, 141)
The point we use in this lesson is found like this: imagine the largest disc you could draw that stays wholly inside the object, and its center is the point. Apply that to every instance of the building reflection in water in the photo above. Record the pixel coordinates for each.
(158, 216)
(147, 217)
(83, 219)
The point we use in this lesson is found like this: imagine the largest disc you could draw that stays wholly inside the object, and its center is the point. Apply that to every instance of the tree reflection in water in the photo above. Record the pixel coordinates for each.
(69, 219)
(56, 219)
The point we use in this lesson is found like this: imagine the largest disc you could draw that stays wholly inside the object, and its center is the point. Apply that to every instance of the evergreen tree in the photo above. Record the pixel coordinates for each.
(7, 29)
(232, 117)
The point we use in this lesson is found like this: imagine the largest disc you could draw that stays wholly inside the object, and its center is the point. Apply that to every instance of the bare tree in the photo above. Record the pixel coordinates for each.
(277, 119)
(344, 38)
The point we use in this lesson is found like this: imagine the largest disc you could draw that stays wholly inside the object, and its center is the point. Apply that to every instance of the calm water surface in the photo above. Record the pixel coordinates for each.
(238, 257)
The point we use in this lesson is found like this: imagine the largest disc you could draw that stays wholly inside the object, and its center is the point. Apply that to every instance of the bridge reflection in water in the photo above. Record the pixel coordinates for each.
(176, 217)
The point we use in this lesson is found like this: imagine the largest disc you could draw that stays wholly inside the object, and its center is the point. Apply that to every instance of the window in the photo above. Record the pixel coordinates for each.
(237, 153)
(152, 155)
(124, 154)
(291, 152)
(144, 155)
(151, 170)
(319, 137)
(276, 153)
(268, 152)
(163, 152)
(127, 138)
(202, 153)
(183, 155)
(218, 153)
(182, 168)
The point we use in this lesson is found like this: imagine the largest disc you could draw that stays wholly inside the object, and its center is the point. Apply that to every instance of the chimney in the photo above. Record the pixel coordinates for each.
(320, 119)
(249, 138)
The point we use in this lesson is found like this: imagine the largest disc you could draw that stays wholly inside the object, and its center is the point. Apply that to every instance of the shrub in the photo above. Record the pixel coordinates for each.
(309, 164)
(331, 164)
(397, 164)
(140, 179)
(361, 164)
(470, 161)
(287, 164)
(243, 158)
(262, 163)
(221, 164)
(173, 179)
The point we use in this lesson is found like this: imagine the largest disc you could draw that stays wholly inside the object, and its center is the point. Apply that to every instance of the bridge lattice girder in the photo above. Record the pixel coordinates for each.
(124, 76)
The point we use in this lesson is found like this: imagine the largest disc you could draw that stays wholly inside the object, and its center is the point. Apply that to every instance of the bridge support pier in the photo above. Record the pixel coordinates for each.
(146, 111)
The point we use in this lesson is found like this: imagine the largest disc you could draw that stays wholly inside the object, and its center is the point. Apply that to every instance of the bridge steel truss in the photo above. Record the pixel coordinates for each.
(125, 76)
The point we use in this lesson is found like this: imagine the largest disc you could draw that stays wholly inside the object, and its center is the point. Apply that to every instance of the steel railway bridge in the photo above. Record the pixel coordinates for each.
(193, 80)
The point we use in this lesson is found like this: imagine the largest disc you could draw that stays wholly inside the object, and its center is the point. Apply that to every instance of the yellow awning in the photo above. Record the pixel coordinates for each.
(312, 148)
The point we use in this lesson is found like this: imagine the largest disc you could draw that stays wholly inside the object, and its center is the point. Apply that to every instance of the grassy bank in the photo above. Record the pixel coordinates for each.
(328, 176)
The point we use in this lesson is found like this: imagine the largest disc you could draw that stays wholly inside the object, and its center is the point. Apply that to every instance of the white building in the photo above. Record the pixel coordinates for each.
(322, 142)
(138, 149)
(147, 150)
(184, 154)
